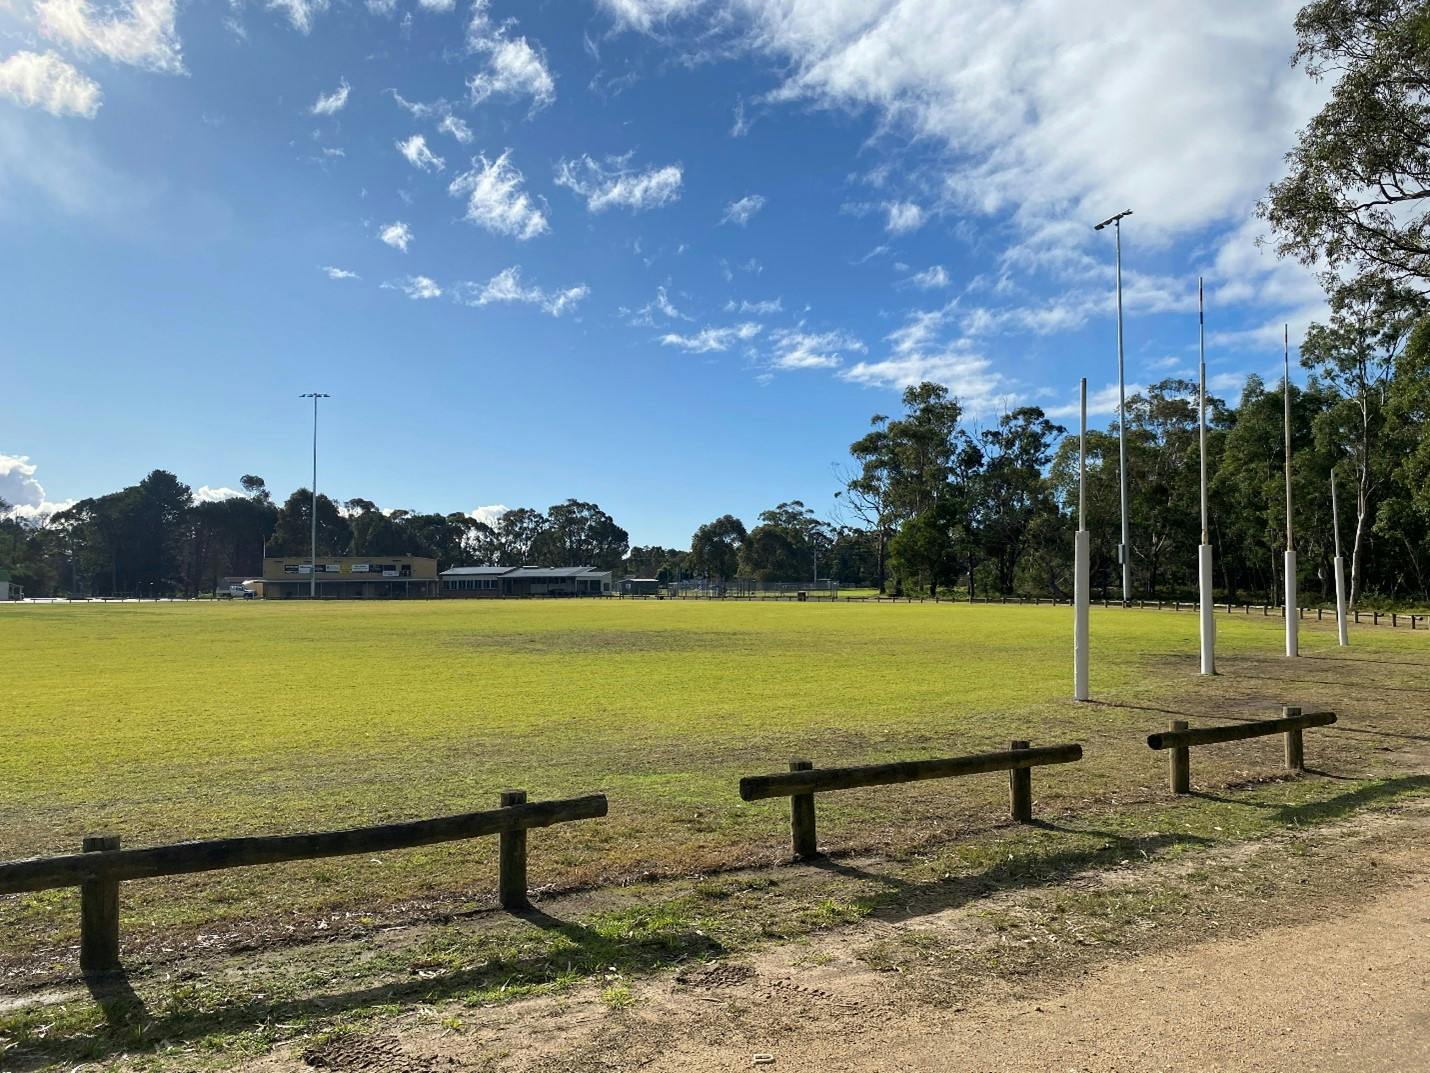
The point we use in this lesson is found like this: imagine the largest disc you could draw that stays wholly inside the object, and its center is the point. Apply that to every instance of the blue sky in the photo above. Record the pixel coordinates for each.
(665, 255)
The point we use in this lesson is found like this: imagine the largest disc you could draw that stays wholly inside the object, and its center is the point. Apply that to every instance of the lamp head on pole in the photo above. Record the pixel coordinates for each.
(315, 395)
(1112, 219)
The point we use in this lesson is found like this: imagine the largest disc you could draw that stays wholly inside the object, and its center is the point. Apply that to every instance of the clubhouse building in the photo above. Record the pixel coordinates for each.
(397, 576)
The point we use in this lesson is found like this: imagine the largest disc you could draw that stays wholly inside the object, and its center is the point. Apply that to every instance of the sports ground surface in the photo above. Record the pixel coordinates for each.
(173, 722)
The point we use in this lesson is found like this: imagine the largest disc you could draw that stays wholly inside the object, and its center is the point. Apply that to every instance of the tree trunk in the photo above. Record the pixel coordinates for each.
(1359, 546)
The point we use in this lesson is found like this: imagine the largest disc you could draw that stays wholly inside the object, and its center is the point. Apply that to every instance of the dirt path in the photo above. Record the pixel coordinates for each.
(1350, 994)
(1018, 982)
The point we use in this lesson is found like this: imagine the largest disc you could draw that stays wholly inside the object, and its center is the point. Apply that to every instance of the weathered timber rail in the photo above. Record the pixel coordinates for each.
(102, 866)
(1180, 739)
(804, 780)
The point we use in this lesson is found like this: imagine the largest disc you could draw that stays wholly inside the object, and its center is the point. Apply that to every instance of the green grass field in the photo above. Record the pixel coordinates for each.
(170, 722)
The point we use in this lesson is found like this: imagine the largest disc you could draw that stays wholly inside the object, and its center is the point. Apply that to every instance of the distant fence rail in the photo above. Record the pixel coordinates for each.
(804, 780)
(1181, 738)
(102, 866)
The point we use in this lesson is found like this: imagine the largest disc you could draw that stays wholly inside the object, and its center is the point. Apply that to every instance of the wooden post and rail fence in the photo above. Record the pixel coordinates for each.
(103, 865)
(804, 780)
(1181, 738)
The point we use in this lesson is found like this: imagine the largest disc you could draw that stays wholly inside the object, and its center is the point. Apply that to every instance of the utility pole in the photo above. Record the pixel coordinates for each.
(313, 568)
(1124, 551)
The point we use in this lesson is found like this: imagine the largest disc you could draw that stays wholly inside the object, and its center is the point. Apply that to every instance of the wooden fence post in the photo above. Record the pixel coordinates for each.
(511, 856)
(1181, 760)
(1295, 744)
(801, 817)
(99, 915)
(1020, 788)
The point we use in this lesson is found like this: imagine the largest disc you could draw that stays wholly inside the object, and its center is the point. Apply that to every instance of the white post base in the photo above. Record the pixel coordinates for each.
(1341, 601)
(1293, 616)
(1206, 608)
(1082, 573)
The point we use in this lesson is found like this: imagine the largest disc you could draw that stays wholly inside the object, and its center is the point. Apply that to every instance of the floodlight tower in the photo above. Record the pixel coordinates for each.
(1292, 614)
(313, 569)
(1206, 608)
(1123, 550)
(1081, 556)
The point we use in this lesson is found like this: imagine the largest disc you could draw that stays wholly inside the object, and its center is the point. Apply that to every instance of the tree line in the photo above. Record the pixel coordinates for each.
(929, 502)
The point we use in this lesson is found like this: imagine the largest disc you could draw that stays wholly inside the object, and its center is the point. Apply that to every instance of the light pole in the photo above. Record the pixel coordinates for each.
(1123, 551)
(1206, 606)
(313, 568)
(1292, 612)
(1081, 556)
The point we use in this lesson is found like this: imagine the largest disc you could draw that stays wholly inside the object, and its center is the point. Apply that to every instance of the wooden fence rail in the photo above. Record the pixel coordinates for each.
(1181, 738)
(804, 780)
(102, 866)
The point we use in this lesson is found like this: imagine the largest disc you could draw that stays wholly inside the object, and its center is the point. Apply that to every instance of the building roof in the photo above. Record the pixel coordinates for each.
(526, 573)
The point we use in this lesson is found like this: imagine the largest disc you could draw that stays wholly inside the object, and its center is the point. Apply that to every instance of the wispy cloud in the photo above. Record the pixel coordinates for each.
(496, 200)
(415, 151)
(615, 183)
(45, 81)
(300, 12)
(903, 217)
(935, 277)
(742, 211)
(415, 287)
(140, 33)
(397, 235)
(456, 128)
(514, 67)
(760, 309)
(712, 339)
(332, 103)
(507, 287)
(334, 272)
(797, 349)
(645, 315)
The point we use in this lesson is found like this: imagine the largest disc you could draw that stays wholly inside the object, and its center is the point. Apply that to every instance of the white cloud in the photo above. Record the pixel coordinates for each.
(48, 82)
(419, 109)
(334, 102)
(415, 150)
(26, 496)
(137, 32)
(935, 277)
(206, 494)
(506, 286)
(712, 339)
(439, 7)
(615, 183)
(416, 287)
(794, 349)
(300, 12)
(903, 217)
(644, 15)
(661, 303)
(740, 212)
(456, 128)
(397, 235)
(514, 67)
(496, 201)
(339, 273)
(921, 350)
(1100, 403)
(382, 7)
(490, 514)
(762, 308)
